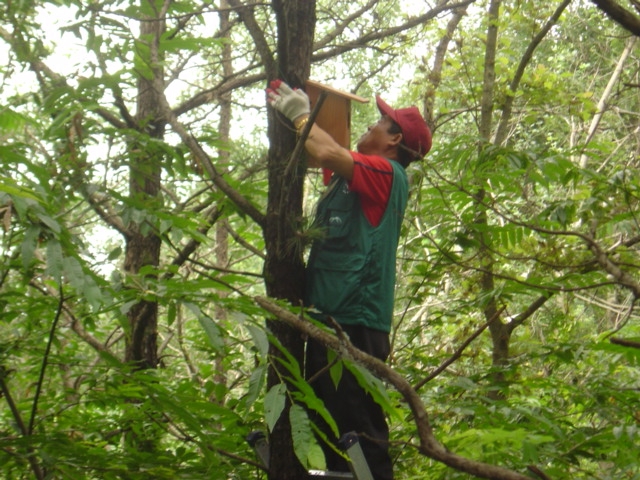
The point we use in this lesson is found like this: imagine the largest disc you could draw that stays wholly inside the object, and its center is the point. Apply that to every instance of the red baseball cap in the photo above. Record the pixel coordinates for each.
(415, 133)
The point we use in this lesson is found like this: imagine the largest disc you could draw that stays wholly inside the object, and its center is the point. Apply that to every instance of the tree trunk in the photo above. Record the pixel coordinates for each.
(500, 334)
(284, 266)
(221, 232)
(142, 242)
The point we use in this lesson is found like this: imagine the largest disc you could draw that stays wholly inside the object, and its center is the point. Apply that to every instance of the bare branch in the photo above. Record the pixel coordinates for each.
(205, 161)
(625, 342)
(367, 39)
(17, 417)
(435, 76)
(620, 15)
(211, 217)
(604, 99)
(262, 46)
(45, 362)
(344, 23)
(501, 132)
(531, 309)
(620, 276)
(458, 353)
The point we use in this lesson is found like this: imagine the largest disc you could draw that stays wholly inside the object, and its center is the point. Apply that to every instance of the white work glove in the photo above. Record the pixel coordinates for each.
(291, 103)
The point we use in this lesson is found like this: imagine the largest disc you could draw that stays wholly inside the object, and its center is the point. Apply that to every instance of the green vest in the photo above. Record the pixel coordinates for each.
(351, 272)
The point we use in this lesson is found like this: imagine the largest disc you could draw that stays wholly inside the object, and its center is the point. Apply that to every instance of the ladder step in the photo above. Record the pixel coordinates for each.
(328, 475)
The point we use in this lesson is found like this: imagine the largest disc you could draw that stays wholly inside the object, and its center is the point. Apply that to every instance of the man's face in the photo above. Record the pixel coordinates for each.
(376, 140)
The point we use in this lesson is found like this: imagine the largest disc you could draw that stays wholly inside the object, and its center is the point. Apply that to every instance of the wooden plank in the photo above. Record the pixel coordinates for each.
(340, 93)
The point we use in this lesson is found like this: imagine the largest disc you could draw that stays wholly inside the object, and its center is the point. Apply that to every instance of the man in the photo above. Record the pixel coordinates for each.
(350, 274)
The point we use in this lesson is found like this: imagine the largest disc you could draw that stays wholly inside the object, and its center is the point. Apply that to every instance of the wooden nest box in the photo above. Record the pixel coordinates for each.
(335, 115)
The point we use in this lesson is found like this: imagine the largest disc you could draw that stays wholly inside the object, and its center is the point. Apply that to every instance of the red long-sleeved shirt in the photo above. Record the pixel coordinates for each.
(372, 179)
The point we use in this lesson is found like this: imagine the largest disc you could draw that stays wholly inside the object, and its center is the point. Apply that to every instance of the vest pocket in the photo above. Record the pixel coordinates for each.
(329, 261)
(342, 232)
(335, 282)
(337, 224)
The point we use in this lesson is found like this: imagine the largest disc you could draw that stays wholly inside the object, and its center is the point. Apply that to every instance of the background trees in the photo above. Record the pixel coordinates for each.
(135, 140)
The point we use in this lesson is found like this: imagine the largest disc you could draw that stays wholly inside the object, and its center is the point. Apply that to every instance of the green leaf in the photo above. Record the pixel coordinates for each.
(172, 313)
(530, 452)
(274, 402)
(303, 391)
(73, 272)
(55, 261)
(208, 325)
(92, 293)
(256, 382)
(305, 394)
(212, 330)
(84, 284)
(305, 444)
(29, 244)
(260, 339)
(632, 354)
(375, 387)
(49, 222)
(335, 371)
(115, 253)
(9, 186)
(315, 456)
(11, 121)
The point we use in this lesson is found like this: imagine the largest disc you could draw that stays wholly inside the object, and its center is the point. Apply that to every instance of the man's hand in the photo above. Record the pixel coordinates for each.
(291, 103)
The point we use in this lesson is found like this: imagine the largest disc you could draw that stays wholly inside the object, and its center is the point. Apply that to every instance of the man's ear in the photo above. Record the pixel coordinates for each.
(395, 139)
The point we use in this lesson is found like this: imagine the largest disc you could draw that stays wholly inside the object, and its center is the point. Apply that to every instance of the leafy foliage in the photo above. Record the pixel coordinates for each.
(549, 215)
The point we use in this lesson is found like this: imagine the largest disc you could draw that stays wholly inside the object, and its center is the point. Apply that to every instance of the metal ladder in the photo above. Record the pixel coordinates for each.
(349, 442)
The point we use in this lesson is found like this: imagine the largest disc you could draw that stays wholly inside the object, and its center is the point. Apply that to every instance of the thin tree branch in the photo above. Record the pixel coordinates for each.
(531, 309)
(344, 23)
(211, 217)
(74, 322)
(458, 353)
(620, 276)
(226, 85)
(104, 209)
(17, 417)
(238, 238)
(205, 161)
(202, 157)
(624, 342)
(6, 393)
(435, 76)
(45, 361)
(602, 103)
(245, 12)
(489, 79)
(501, 132)
(366, 39)
(620, 15)
(238, 81)
(535, 470)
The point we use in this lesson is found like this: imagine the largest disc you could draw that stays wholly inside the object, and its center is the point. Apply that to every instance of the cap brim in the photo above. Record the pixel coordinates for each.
(385, 109)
